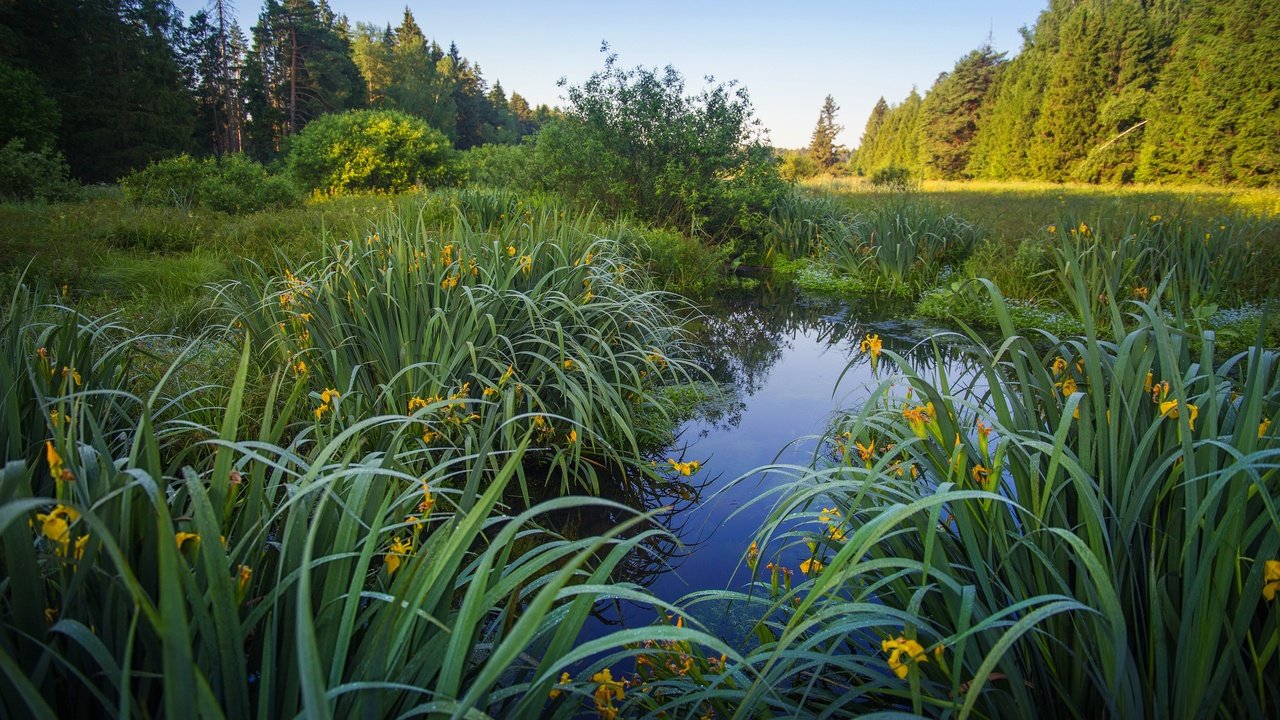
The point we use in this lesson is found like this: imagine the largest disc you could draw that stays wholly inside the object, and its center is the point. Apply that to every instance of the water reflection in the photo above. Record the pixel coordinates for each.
(788, 363)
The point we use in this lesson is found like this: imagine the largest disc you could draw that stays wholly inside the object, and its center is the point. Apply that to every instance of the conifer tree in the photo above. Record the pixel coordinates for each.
(868, 145)
(951, 112)
(823, 150)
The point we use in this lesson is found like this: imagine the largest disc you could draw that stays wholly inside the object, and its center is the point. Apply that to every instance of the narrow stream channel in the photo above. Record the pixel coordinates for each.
(789, 361)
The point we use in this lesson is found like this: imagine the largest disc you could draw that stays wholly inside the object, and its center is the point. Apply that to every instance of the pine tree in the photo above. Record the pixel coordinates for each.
(1214, 111)
(823, 149)
(301, 68)
(212, 59)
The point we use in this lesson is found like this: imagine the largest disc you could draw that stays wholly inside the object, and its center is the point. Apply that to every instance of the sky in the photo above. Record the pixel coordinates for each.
(789, 56)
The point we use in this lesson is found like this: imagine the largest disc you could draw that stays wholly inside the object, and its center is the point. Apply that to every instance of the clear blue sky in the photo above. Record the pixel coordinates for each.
(789, 55)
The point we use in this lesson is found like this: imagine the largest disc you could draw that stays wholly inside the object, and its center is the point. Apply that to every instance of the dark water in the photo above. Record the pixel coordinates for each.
(790, 362)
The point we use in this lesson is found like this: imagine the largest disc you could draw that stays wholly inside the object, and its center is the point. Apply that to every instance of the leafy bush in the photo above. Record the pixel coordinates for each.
(500, 166)
(231, 184)
(29, 114)
(894, 177)
(370, 151)
(33, 174)
(797, 165)
(634, 142)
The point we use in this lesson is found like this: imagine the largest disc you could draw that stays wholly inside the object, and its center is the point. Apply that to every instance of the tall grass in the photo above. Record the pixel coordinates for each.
(276, 572)
(529, 318)
(1073, 537)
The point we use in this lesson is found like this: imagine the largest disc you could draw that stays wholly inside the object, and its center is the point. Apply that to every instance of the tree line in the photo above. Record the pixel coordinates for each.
(1102, 91)
(115, 84)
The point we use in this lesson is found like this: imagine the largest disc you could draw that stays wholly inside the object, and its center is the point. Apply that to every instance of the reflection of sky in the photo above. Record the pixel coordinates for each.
(791, 396)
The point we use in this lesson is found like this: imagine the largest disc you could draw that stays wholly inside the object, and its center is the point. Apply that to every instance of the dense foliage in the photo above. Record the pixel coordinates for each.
(230, 184)
(370, 151)
(633, 141)
(1103, 91)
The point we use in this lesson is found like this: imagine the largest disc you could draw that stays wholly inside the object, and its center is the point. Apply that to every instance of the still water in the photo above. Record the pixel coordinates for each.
(788, 362)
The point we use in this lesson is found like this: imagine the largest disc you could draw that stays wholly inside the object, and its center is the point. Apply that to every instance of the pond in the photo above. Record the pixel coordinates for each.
(788, 362)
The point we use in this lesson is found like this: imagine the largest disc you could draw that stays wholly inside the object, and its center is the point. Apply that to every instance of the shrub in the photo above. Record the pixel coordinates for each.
(33, 174)
(797, 165)
(29, 114)
(499, 166)
(370, 151)
(894, 177)
(634, 142)
(232, 184)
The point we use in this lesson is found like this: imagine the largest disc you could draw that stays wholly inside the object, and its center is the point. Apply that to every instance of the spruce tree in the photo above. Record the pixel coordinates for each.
(868, 145)
(823, 150)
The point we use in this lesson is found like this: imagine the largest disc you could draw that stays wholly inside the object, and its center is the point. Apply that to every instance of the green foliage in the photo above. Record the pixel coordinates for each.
(904, 245)
(634, 142)
(1006, 527)
(39, 174)
(1213, 111)
(243, 563)
(893, 136)
(951, 112)
(823, 150)
(231, 184)
(114, 75)
(802, 224)
(30, 115)
(528, 323)
(300, 68)
(796, 166)
(500, 166)
(370, 151)
(893, 177)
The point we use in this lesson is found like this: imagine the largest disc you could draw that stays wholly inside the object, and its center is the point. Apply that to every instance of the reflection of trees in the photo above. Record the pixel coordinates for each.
(667, 497)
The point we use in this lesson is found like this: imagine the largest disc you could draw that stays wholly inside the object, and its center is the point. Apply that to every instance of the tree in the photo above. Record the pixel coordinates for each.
(1213, 114)
(212, 54)
(867, 145)
(300, 69)
(111, 68)
(823, 149)
(951, 112)
(634, 141)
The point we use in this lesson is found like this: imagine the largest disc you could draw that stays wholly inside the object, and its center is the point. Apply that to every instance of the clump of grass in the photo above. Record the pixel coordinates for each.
(533, 320)
(259, 567)
(805, 225)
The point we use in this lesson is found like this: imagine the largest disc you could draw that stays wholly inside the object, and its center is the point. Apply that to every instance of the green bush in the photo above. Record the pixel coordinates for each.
(231, 184)
(499, 166)
(33, 174)
(29, 114)
(797, 165)
(894, 177)
(632, 141)
(370, 151)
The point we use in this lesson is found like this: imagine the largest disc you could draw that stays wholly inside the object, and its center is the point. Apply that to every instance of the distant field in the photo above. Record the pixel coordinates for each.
(1015, 210)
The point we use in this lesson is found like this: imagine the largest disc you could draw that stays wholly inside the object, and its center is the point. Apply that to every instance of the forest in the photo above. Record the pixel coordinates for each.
(338, 380)
(1102, 92)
